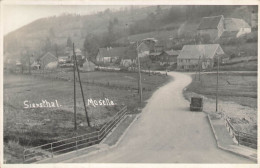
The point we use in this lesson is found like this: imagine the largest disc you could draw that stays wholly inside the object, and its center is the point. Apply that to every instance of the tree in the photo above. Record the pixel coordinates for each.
(146, 63)
(91, 45)
(158, 10)
(51, 33)
(69, 42)
(116, 21)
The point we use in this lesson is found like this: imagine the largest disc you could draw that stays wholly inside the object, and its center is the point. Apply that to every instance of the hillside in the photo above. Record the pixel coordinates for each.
(108, 28)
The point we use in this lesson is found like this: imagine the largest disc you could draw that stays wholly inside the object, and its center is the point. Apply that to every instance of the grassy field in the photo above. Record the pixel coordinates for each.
(31, 127)
(237, 95)
(243, 66)
(237, 87)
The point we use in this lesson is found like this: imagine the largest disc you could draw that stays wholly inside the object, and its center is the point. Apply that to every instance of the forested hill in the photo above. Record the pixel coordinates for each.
(89, 32)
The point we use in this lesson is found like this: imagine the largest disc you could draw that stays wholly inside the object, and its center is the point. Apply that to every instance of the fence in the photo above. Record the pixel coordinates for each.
(66, 145)
(241, 137)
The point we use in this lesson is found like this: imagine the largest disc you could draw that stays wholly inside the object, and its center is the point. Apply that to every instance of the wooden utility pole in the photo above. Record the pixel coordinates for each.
(217, 87)
(75, 59)
(74, 75)
(29, 62)
(199, 68)
(140, 78)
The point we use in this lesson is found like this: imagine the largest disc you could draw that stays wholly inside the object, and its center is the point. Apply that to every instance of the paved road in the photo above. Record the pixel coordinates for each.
(167, 132)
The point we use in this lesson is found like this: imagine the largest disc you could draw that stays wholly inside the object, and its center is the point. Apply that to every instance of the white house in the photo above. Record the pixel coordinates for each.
(236, 25)
(110, 55)
(191, 56)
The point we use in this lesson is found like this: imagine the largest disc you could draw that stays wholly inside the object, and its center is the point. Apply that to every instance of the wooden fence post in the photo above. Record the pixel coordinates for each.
(76, 143)
(24, 155)
(51, 151)
(238, 138)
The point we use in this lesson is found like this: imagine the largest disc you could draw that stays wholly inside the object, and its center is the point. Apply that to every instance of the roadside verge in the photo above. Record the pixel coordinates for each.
(225, 141)
(111, 141)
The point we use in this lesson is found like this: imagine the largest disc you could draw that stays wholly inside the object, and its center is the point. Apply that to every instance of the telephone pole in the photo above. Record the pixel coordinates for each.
(29, 62)
(74, 75)
(217, 87)
(140, 78)
(199, 68)
(75, 59)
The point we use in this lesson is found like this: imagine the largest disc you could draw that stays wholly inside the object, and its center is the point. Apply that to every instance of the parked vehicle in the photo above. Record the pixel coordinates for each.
(196, 104)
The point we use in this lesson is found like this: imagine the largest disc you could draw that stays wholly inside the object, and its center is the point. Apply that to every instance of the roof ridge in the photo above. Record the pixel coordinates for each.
(200, 44)
(213, 16)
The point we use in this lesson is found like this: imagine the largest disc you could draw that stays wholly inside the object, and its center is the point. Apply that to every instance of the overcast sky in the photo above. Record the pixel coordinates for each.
(16, 16)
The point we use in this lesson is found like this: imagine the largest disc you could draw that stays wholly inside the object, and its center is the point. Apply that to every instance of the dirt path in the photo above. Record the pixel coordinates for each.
(167, 132)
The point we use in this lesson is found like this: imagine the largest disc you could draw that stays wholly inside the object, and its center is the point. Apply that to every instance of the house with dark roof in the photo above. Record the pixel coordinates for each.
(129, 57)
(110, 55)
(169, 57)
(193, 56)
(212, 26)
(218, 26)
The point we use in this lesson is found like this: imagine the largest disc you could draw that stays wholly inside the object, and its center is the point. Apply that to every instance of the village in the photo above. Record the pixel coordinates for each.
(202, 51)
(102, 84)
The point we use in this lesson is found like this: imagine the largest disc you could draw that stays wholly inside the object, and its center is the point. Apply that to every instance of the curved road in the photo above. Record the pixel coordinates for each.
(167, 132)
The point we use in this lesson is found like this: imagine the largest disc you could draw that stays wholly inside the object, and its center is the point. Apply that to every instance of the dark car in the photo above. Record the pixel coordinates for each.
(196, 104)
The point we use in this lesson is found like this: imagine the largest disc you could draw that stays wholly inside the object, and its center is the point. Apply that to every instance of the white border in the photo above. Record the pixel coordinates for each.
(118, 2)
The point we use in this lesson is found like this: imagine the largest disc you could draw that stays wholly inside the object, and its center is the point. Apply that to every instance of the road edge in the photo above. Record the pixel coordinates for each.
(226, 149)
(106, 148)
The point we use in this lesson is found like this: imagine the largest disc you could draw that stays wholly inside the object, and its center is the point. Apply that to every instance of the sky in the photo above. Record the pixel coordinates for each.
(16, 16)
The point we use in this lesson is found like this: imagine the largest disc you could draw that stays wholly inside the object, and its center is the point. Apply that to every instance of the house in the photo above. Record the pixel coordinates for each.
(191, 56)
(129, 58)
(212, 26)
(169, 57)
(159, 47)
(218, 26)
(144, 49)
(254, 19)
(52, 65)
(239, 26)
(110, 55)
(88, 66)
(36, 65)
(154, 56)
(224, 59)
(47, 58)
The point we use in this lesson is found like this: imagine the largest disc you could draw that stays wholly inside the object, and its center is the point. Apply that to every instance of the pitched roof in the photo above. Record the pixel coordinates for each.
(155, 53)
(112, 52)
(210, 22)
(195, 51)
(48, 54)
(173, 52)
(130, 52)
(234, 24)
(143, 47)
(227, 34)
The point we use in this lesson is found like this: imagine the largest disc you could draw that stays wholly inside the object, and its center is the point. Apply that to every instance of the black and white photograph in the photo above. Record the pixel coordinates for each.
(129, 83)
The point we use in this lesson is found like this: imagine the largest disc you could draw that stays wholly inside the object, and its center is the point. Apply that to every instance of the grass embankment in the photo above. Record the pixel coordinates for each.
(237, 87)
(237, 94)
(36, 126)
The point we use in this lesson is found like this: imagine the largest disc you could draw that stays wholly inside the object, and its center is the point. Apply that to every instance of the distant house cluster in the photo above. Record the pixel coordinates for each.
(218, 26)
(51, 61)
(190, 57)
(127, 56)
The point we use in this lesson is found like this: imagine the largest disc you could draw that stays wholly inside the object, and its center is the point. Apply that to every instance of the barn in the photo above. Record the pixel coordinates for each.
(191, 56)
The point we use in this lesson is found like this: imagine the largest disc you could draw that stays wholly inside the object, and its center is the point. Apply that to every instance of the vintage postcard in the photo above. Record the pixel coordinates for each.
(139, 84)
